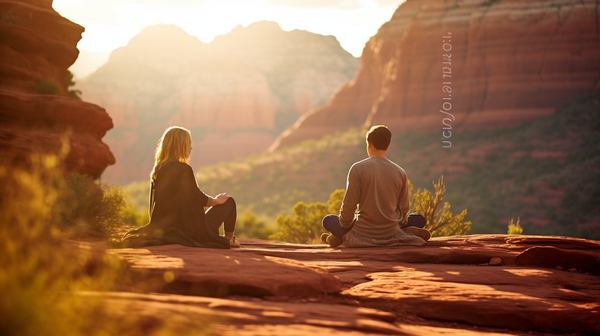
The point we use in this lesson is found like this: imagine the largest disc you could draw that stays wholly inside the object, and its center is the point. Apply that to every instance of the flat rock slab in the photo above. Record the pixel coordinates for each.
(258, 317)
(505, 297)
(449, 280)
(214, 272)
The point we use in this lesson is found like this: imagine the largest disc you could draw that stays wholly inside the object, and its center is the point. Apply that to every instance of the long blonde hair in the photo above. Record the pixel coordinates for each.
(174, 145)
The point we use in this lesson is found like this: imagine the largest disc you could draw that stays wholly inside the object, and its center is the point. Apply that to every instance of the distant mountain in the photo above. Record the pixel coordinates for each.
(235, 94)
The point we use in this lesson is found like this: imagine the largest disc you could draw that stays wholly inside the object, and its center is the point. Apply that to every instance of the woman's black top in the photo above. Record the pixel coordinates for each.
(176, 212)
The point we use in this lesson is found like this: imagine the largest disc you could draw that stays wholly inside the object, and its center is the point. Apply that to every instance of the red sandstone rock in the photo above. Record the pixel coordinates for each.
(550, 256)
(37, 44)
(258, 317)
(212, 272)
(235, 93)
(423, 287)
(511, 61)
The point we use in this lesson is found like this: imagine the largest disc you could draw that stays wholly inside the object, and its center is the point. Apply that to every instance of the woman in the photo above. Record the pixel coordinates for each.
(177, 205)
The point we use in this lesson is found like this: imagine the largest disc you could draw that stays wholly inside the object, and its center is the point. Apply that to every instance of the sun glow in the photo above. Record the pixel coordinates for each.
(112, 23)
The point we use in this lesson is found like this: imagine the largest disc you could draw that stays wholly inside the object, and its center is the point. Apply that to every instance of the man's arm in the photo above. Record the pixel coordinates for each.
(351, 198)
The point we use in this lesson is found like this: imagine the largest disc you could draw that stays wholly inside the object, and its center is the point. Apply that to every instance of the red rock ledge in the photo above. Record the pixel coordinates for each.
(540, 285)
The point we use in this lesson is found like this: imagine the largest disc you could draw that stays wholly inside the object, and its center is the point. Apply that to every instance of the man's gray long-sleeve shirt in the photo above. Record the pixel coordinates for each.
(381, 188)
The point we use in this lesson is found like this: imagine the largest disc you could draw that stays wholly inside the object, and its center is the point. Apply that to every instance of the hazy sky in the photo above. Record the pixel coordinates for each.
(110, 24)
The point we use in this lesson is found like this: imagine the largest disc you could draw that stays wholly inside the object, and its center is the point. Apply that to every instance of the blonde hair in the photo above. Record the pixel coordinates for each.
(174, 145)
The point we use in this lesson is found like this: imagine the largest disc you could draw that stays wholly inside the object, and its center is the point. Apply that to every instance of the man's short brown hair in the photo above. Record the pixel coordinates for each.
(380, 136)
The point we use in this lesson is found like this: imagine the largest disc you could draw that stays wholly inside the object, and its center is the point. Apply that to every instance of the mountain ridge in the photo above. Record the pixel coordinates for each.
(234, 93)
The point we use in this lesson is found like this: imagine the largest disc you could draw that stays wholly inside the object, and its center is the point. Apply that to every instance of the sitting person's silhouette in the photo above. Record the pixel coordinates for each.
(378, 188)
(177, 205)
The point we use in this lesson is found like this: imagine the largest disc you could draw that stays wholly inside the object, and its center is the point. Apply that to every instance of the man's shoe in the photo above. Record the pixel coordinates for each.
(334, 241)
(234, 242)
(324, 237)
(422, 233)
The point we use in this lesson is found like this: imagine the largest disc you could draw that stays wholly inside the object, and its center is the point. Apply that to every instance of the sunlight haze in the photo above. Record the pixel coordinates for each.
(110, 24)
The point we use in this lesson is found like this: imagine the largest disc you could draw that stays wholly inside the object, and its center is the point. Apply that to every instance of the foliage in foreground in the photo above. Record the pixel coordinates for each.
(43, 275)
(439, 222)
(88, 208)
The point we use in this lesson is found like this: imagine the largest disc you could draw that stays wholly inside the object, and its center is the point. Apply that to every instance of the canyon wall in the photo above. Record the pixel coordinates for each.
(235, 94)
(37, 46)
(452, 65)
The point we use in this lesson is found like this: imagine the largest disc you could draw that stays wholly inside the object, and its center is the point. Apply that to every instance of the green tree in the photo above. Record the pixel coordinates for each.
(72, 93)
(304, 227)
(439, 222)
(250, 226)
(335, 201)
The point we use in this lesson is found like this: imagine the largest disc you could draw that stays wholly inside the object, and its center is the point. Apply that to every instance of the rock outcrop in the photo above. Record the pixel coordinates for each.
(445, 287)
(37, 46)
(487, 63)
(235, 94)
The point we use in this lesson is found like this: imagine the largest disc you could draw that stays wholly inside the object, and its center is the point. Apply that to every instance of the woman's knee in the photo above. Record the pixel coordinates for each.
(231, 201)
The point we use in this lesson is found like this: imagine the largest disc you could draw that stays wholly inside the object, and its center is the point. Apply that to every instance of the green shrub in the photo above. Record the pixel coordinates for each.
(335, 201)
(304, 226)
(42, 276)
(47, 87)
(439, 222)
(72, 93)
(515, 228)
(250, 226)
(132, 217)
(88, 208)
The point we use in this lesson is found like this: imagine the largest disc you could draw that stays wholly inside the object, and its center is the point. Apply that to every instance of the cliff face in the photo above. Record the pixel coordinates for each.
(495, 63)
(37, 46)
(235, 94)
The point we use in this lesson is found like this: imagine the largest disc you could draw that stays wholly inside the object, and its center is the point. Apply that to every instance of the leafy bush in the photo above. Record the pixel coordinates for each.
(132, 217)
(304, 226)
(42, 275)
(89, 208)
(439, 222)
(515, 228)
(72, 93)
(250, 226)
(47, 87)
(335, 201)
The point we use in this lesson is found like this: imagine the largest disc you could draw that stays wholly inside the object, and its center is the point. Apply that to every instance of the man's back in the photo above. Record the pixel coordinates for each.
(381, 188)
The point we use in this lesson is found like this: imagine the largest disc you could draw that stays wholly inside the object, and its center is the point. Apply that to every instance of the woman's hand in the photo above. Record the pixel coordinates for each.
(220, 199)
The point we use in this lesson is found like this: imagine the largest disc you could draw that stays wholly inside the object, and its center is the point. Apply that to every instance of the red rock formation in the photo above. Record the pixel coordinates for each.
(37, 46)
(445, 287)
(507, 62)
(234, 94)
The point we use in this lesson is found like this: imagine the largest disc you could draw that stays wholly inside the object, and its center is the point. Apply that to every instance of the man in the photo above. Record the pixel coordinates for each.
(375, 208)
